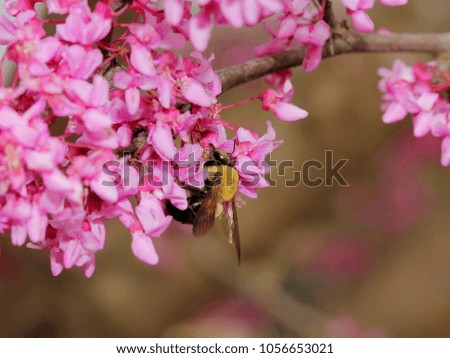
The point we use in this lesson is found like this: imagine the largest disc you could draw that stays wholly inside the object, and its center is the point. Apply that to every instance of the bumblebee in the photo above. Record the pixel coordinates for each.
(216, 199)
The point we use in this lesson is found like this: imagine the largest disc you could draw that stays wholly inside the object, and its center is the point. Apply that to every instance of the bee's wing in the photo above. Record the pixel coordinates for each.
(204, 220)
(231, 226)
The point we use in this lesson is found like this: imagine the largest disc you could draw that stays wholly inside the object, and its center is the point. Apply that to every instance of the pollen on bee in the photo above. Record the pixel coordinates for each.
(212, 173)
(213, 169)
(219, 209)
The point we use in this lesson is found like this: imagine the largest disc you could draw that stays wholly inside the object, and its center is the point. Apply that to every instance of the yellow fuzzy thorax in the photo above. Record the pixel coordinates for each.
(229, 179)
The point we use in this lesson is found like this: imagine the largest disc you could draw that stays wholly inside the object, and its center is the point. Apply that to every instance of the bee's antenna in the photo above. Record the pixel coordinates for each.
(234, 147)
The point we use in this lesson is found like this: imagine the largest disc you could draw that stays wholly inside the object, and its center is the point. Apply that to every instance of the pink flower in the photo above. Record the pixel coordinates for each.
(143, 248)
(85, 27)
(79, 62)
(173, 11)
(191, 81)
(445, 158)
(409, 90)
(91, 171)
(394, 2)
(200, 28)
(35, 58)
(347, 326)
(249, 154)
(25, 219)
(356, 9)
(151, 215)
(362, 21)
(342, 258)
(141, 59)
(194, 92)
(161, 139)
(236, 13)
(156, 34)
(188, 171)
(397, 85)
(26, 46)
(278, 103)
(231, 317)
(28, 148)
(14, 7)
(92, 119)
(131, 82)
(164, 186)
(314, 36)
(77, 238)
(61, 6)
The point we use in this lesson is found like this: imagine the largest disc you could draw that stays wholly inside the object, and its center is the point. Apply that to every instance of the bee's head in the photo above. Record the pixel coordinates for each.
(222, 157)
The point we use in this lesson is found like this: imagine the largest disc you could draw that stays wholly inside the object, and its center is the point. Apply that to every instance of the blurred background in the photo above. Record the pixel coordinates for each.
(367, 260)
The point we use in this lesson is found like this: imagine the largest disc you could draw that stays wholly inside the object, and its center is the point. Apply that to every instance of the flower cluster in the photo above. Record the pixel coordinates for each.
(300, 23)
(57, 191)
(422, 91)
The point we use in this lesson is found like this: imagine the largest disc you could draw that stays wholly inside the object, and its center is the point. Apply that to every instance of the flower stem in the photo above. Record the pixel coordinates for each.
(240, 103)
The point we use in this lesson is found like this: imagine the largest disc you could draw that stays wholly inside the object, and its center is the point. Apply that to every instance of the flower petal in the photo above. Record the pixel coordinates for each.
(395, 112)
(143, 248)
(362, 22)
(132, 99)
(173, 11)
(195, 93)
(18, 234)
(199, 32)
(445, 156)
(162, 140)
(289, 112)
(394, 2)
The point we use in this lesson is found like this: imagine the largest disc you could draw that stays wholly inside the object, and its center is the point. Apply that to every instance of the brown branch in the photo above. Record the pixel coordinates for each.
(405, 42)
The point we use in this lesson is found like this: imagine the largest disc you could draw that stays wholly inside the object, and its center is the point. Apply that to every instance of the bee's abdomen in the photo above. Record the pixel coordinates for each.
(185, 216)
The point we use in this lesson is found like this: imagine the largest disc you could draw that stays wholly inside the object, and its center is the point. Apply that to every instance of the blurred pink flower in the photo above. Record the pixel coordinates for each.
(342, 257)
(151, 215)
(61, 6)
(25, 27)
(14, 7)
(173, 11)
(347, 326)
(230, 317)
(394, 2)
(406, 201)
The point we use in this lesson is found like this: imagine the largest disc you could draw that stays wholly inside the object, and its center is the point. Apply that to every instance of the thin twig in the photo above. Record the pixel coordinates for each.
(116, 6)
